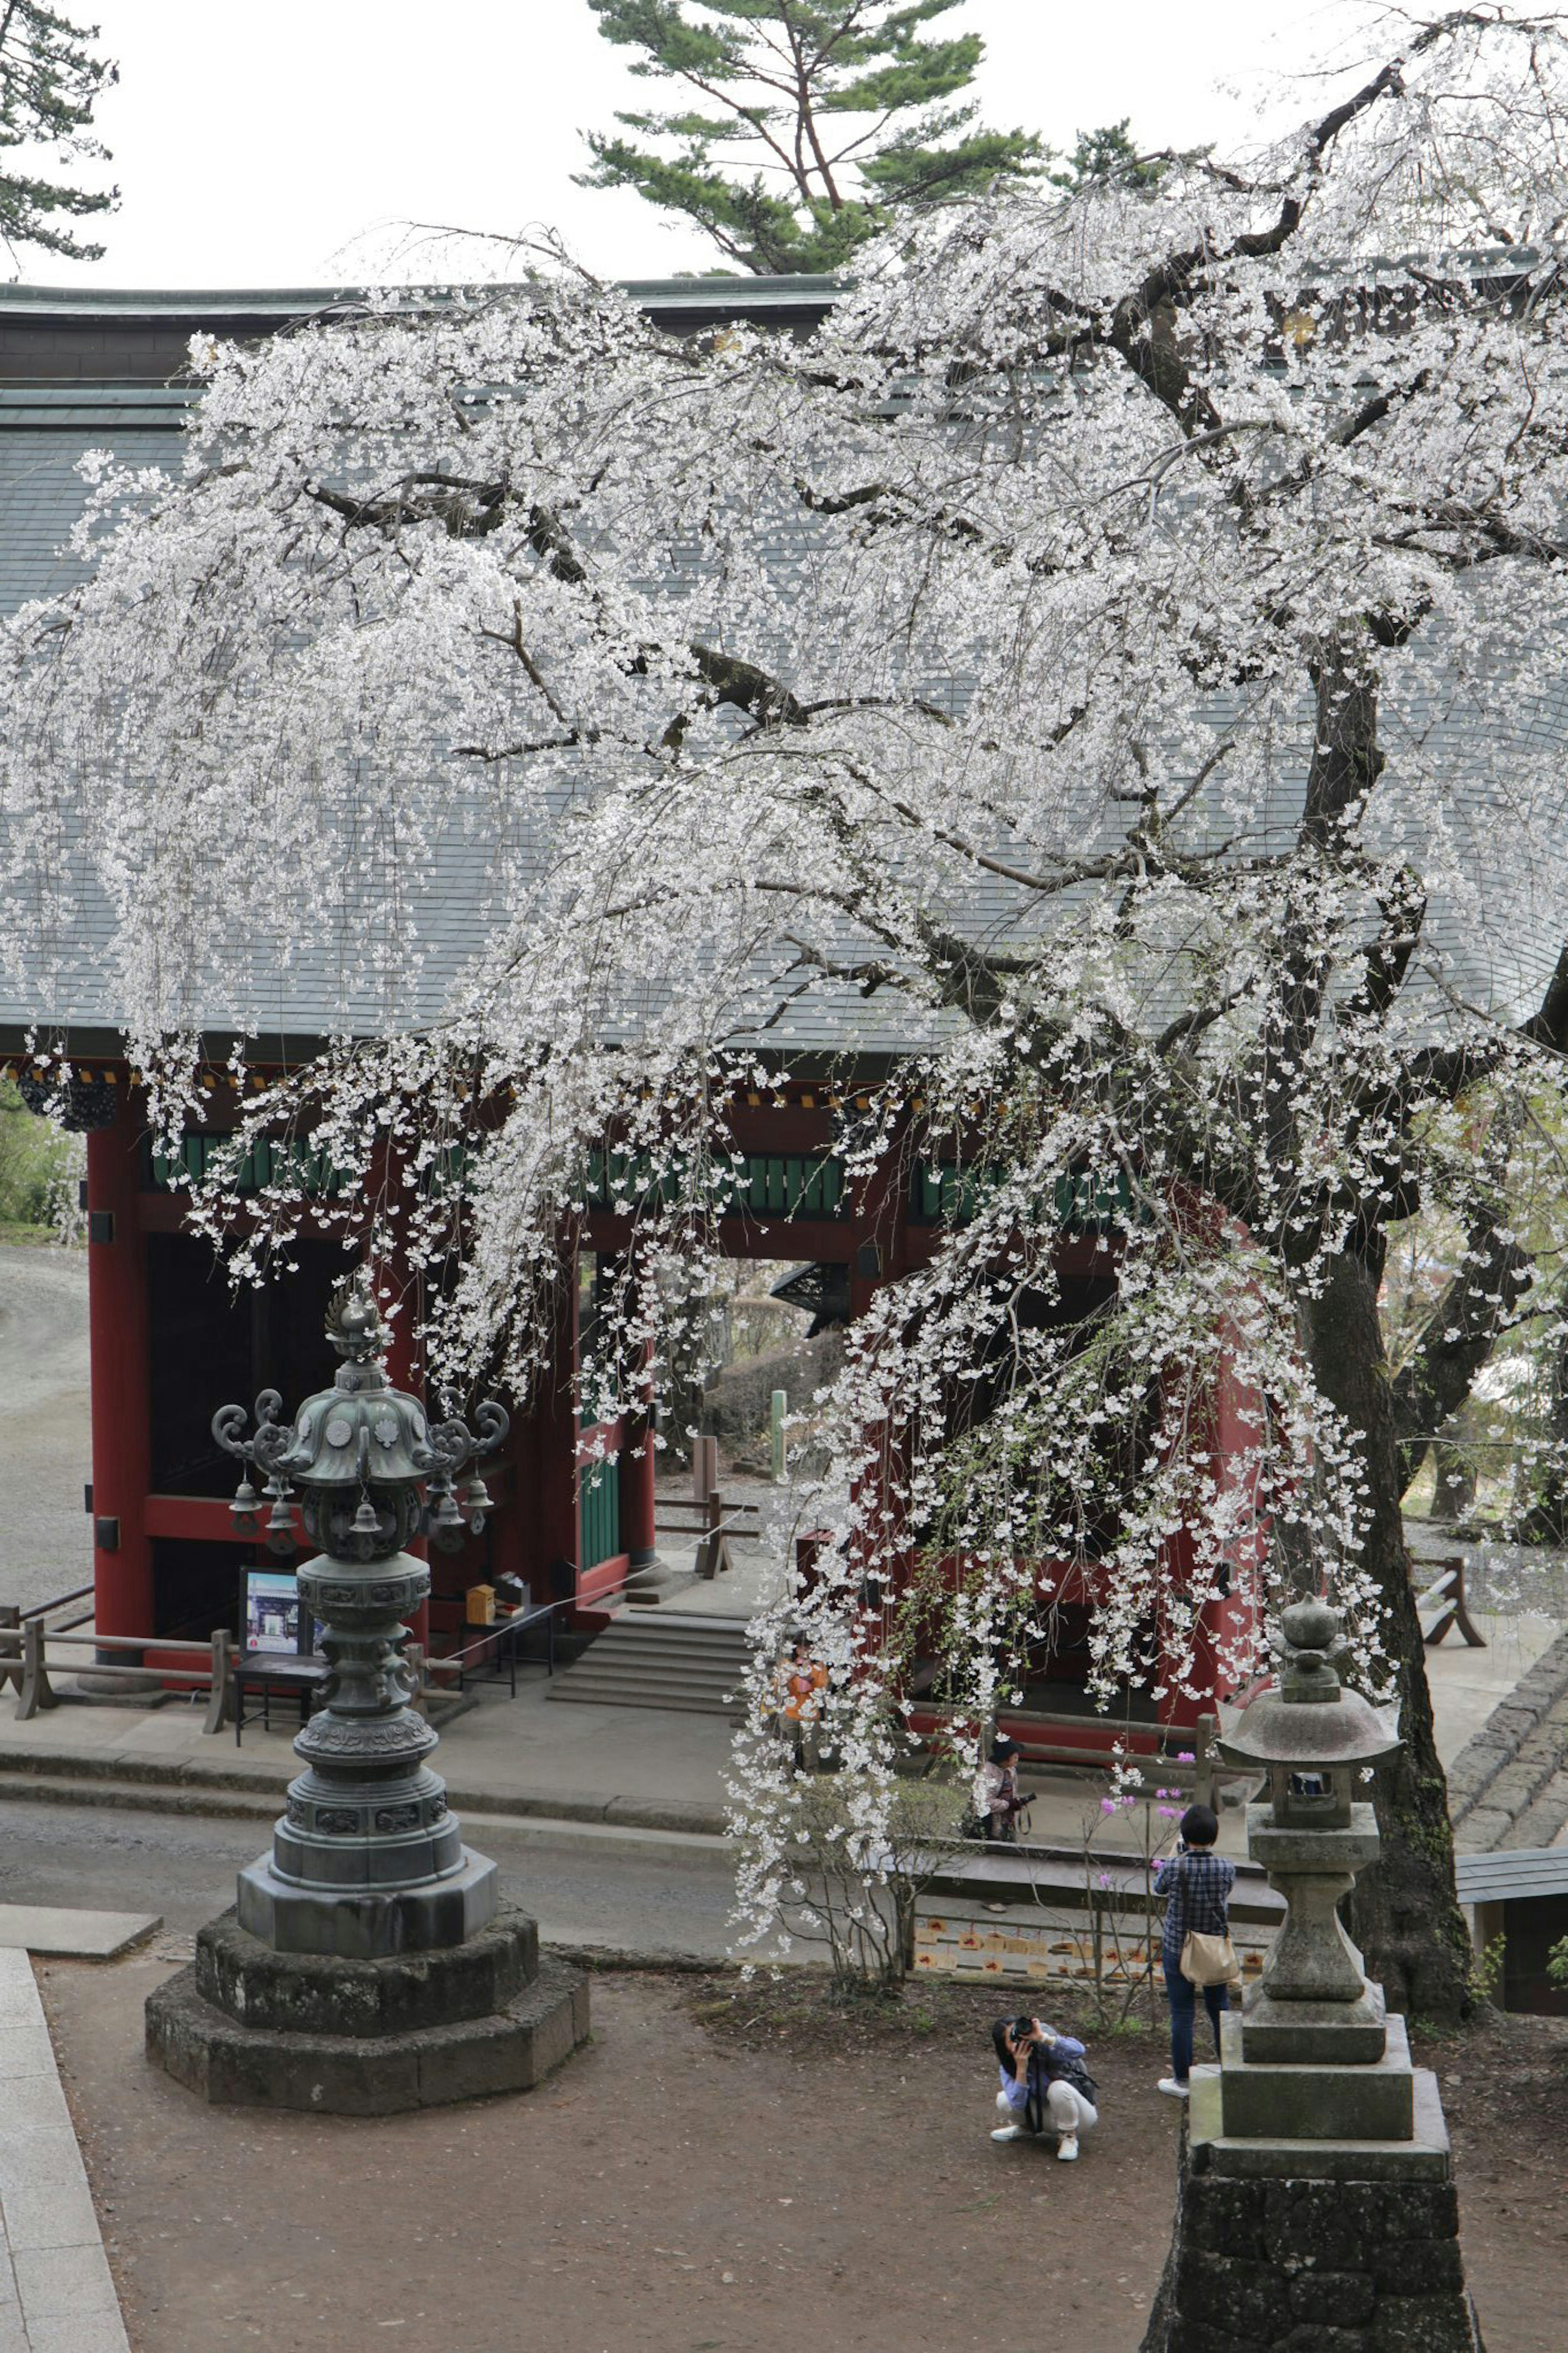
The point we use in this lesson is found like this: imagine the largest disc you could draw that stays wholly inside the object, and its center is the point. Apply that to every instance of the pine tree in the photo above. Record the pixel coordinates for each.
(841, 104)
(49, 84)
(1108, 156)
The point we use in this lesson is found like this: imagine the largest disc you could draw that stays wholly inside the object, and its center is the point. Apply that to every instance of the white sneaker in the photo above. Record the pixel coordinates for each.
(1008, 2132)
(1169, 2084)
(1066, 2148)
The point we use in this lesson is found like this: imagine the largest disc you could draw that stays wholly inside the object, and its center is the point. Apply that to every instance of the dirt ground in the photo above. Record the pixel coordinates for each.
(721, 2171)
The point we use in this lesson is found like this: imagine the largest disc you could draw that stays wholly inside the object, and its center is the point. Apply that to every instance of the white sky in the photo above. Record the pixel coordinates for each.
(281, 145)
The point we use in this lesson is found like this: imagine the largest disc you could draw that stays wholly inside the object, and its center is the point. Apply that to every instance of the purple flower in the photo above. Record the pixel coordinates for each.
(1108, 1805)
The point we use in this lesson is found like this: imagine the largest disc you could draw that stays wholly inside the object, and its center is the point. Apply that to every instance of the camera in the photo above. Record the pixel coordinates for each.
(1023, 2027)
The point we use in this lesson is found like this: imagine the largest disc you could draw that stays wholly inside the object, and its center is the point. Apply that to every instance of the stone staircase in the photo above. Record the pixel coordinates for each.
(695, 1664)
(1508, 1785)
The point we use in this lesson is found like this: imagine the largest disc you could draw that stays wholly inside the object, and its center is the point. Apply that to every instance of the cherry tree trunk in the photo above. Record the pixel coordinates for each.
(1404, 1914)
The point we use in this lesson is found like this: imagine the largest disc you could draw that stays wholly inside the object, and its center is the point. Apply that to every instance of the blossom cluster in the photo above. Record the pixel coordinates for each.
(1105, 682)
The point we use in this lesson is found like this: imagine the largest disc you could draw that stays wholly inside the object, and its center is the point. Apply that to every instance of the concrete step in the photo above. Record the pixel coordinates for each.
(94, 1767)
(652, 1654)
(620, 1695)
(636, 1646)
(652, 1695)
(659, 1634)
(706, 1634)
(144, 1797)
(680, 1661)
(718, 1695)
(492, 1809)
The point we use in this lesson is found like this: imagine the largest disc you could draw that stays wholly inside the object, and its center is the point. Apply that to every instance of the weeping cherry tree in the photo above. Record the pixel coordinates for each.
(1110, 672)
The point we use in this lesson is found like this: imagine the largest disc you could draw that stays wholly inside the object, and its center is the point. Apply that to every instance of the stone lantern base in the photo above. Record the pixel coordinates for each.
(251, 2027)
(1319, 2243)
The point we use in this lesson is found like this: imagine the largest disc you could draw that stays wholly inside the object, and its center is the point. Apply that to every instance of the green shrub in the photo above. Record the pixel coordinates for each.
(35, 1158)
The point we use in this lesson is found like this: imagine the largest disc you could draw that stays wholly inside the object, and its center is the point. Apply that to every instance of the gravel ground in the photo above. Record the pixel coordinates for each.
(727, 2169)
(44, 1539)
(667, 2191)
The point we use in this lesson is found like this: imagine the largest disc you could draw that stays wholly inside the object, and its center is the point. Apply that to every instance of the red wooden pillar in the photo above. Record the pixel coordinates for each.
(1234, 1630)
(1229, 1629)
(555, 1440)
(121, 1375)
(638, 1463)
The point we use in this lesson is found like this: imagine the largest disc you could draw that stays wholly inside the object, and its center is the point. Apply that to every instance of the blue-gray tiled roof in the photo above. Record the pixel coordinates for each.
(46, 427)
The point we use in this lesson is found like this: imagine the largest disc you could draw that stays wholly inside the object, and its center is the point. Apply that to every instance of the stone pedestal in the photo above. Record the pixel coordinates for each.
(367, 1859)
(1314, 2247)
(251, 2027)
(1315, 2207)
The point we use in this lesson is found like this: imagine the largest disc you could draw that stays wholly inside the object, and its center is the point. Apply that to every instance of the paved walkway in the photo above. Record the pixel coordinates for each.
(643, 1767)
(55, 2292)
(46, 1541)
(1466, 1686)
(637, 1765)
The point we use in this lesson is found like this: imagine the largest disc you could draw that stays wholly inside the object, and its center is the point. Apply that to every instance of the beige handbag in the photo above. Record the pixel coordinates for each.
(1209, 1960)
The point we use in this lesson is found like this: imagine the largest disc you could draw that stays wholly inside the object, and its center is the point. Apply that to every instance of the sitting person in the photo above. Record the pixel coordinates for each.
(801, 1682)
(1045, 2086)
(998, 1802)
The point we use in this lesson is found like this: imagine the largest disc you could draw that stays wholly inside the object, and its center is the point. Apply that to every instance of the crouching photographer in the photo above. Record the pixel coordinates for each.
(1046, 2087)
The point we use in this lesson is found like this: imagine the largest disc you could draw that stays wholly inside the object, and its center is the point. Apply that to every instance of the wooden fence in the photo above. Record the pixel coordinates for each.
(41, 1645)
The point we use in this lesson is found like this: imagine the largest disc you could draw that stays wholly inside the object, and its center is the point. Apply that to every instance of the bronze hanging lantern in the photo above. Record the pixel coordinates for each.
(368, 1817)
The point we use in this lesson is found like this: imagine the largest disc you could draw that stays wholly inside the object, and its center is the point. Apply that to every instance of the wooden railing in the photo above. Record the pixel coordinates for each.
(36, 1692)
(1168, 1762)
(1442, 1603)
(1181, 1757)
(712, 1521)
(13, 1619)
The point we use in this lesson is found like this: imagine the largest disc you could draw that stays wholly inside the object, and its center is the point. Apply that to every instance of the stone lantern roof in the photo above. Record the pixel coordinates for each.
(1310, 1718)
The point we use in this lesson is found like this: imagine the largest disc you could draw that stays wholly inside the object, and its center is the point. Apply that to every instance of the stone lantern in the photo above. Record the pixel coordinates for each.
(1313, 1739)
(1317, 2201)
(367, 1814)
(369, 1963)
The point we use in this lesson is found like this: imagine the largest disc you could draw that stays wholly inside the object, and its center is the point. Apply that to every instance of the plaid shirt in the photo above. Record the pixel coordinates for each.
(1197, 1886)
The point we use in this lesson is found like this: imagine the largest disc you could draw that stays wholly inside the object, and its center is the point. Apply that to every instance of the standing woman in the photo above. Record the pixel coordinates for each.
(1196, 1884)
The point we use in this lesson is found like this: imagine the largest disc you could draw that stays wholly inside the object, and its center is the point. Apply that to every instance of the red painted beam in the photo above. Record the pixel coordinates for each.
(120, 1374)
(829, 1240)
(198, 1518)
